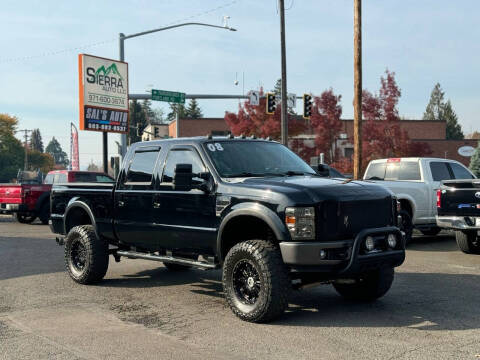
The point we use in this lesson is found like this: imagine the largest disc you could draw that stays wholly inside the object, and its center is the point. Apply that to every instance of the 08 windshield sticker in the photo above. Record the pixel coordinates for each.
(215, 147)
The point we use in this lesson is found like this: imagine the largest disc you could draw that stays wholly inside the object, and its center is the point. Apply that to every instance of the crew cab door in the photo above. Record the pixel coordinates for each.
(134, 198)
(186, 218)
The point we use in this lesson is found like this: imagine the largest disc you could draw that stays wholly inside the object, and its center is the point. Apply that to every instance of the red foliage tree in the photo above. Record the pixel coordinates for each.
(326, 123)
(253, 120)
(381, 133)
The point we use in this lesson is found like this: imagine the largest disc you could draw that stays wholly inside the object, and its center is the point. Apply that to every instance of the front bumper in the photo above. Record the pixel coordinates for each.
(345, 257)
(459, 222)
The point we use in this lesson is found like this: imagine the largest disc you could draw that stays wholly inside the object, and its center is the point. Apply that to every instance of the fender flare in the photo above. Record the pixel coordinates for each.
(78, 203)
(256, 210)
(410, 200)
(44, 197)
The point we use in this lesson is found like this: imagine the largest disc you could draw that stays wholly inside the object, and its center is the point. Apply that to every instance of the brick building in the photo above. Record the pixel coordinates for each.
(431, 132)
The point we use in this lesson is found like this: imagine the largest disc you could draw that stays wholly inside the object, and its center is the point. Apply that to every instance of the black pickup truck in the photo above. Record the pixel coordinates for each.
(249, 206)
(458, 206)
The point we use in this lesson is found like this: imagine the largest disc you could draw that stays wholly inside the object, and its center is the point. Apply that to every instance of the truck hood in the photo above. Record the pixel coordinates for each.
(317, 188)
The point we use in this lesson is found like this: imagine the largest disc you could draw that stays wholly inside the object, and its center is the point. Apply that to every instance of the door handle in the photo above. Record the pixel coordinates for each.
(156, 204)
(121, 203)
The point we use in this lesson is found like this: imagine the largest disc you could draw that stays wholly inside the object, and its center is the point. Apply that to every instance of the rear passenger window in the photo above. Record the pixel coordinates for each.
(141, 168)
(460, 172)
(60, 179)
(440, 171)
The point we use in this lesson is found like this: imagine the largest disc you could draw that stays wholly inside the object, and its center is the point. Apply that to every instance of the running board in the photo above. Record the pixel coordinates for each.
(166, 258)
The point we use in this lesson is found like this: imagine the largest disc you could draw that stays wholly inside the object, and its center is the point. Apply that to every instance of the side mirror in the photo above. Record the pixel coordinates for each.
(182, 177)
(323, 170)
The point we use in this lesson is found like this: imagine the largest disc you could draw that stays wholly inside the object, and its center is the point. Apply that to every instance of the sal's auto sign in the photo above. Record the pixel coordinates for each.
(103, 94)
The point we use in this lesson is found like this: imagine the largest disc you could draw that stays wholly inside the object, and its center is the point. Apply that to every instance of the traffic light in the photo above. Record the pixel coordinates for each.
(156, 132)
(307, 106)
(271, 104)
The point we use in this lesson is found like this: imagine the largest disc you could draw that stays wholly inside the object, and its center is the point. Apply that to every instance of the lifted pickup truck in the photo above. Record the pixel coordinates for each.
(248, 206)
(458, 204)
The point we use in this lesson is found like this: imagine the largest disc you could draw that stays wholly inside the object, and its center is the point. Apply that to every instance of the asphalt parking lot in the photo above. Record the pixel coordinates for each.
(143, 311)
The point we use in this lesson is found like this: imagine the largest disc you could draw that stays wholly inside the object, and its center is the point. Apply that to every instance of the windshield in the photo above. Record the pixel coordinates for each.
(255, 158)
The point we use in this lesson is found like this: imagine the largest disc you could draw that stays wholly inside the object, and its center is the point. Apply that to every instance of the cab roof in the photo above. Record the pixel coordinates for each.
(198, 140)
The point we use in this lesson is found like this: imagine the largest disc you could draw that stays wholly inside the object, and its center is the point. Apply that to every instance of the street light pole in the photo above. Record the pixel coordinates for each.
(284, 108)
(122, 37)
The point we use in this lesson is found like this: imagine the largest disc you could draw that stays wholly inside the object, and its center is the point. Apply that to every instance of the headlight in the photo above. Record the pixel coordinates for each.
(392, 240)
(300, 222)
(369, 243)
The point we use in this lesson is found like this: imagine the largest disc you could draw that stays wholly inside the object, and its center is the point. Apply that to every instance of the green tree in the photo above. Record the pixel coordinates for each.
(475, 161)
(174, 108)
(12, 153)
(59, 156)
(434, 109)
(41, 161)
(277, 90)
(138, 121)
(438, 109)
(36, 142)
(193, 110)
(454, 129)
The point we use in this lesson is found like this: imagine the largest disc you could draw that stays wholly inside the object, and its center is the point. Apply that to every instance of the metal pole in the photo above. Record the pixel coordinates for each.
(284, 108)
(123, 137)
(177, 123)
(357, 97)
(105, 152)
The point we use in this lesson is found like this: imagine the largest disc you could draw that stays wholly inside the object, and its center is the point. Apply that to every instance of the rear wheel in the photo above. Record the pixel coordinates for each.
(24, 218)
(431, 232)
(468, 241)
(406, 225)
(44, 213)
(367, 287)
(86, 256)
(255, 281)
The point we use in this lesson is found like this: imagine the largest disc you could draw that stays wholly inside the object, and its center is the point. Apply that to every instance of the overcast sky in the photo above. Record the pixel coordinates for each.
(423, 42)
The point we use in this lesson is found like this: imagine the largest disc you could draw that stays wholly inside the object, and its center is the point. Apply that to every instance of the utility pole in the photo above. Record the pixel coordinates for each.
(284, 108)
(357, 96)
(25, 136)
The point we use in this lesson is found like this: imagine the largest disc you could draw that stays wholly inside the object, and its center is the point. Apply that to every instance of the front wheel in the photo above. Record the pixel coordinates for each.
(468, 242)
(255, 281)
(86, 256)
(24, 219)
(367, 287)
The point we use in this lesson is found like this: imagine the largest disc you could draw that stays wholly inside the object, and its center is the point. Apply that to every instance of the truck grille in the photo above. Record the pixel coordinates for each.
(342, 220)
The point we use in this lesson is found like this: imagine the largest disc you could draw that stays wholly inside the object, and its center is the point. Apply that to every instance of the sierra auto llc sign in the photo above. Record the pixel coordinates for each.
(103, 94)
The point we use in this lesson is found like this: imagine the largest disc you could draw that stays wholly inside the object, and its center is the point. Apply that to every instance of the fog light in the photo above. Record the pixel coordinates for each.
(369, 243)
(323, 254)
(392, 240)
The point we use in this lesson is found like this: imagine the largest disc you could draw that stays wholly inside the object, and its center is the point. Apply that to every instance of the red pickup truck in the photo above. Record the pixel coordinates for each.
(30, 199)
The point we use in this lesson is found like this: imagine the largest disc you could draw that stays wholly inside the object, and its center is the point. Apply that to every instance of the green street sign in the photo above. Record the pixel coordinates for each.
(168, 96)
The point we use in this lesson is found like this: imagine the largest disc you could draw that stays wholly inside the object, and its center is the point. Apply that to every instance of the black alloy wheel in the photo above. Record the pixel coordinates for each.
(246, 282)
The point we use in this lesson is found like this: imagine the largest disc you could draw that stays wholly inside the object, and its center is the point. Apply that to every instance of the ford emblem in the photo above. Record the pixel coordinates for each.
(477, 194)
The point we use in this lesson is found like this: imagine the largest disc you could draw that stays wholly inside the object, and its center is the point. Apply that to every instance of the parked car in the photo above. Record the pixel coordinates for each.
(415, 182)
(30, 198)
(458, 204)
(249, 206)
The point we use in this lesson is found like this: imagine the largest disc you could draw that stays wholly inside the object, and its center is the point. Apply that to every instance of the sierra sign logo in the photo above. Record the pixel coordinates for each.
(109, 78)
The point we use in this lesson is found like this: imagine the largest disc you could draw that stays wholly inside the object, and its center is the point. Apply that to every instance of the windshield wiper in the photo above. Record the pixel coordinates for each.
(294, 173)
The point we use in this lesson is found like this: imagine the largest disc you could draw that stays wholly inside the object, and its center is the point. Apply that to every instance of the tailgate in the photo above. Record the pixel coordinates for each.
(460, 198)
(10, 194)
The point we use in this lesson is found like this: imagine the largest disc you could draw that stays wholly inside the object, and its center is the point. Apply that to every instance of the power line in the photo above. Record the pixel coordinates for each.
(103, 42)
